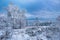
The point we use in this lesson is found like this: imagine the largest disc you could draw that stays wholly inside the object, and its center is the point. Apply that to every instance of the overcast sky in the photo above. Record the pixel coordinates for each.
(45, 9)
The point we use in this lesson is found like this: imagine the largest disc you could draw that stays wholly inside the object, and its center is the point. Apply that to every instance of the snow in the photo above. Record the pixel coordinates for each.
(13, 27)
(21, 35)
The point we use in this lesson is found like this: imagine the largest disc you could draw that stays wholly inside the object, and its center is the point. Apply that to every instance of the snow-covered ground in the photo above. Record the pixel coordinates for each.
(32, 33)
(28, 34)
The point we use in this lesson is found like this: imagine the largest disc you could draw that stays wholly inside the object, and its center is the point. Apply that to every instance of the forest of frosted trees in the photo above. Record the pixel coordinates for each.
(14, 26)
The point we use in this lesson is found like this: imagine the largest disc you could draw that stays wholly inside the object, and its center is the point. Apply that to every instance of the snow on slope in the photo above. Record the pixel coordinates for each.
(22, 34)
(35, 34)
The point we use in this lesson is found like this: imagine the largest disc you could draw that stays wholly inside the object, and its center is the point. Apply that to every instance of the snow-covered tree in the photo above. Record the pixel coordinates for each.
(16, 17)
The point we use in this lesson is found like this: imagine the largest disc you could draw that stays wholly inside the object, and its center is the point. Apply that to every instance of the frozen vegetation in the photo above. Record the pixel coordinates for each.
(13, 27)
